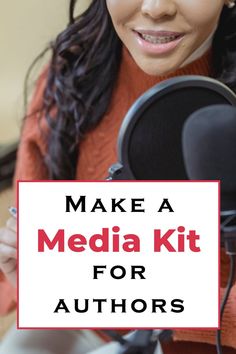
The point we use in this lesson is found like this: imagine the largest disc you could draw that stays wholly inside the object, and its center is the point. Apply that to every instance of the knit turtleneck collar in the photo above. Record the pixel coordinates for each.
(137, 81)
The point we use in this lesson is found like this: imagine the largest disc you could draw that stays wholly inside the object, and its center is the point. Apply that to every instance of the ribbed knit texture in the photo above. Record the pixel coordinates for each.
(98, 152)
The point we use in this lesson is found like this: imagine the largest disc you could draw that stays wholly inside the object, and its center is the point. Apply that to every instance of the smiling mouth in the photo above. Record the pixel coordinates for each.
(159, 39)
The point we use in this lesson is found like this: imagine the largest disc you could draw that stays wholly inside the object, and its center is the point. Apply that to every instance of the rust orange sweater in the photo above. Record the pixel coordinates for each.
(97, 153)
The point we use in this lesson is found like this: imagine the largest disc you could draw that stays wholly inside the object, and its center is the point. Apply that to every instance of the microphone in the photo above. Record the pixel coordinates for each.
(209, 150)
(149, 141)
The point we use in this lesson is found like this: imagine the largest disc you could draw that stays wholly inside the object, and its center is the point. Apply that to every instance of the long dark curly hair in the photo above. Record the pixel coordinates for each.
(82, 74)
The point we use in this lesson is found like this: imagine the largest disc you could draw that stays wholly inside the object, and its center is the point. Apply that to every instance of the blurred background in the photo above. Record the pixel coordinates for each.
(26, 28)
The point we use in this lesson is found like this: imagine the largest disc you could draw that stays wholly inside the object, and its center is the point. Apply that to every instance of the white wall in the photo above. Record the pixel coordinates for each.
(26, 26)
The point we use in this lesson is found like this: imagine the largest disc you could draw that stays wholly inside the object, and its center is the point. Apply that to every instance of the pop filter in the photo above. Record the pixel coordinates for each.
(149, 141)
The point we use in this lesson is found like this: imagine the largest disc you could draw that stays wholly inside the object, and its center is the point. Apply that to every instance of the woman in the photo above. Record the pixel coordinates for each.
(100, 65)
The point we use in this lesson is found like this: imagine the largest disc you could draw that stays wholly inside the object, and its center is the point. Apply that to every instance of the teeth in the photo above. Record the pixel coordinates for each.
(159, 40)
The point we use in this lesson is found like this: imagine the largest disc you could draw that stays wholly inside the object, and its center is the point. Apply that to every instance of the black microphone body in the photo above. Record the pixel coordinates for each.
(209, 150)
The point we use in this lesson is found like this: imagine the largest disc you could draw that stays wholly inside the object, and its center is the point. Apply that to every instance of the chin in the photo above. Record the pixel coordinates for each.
(152, 68)
(155, 71)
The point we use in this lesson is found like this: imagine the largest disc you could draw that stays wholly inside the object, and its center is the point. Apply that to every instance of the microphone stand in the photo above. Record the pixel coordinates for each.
(228, 237)
(141, 341)
(228, 231)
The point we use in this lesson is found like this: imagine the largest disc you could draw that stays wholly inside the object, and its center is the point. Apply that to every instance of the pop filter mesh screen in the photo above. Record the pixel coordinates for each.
(155, 145)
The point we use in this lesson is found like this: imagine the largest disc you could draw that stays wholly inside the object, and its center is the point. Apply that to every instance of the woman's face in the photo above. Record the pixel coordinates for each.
(162, 34)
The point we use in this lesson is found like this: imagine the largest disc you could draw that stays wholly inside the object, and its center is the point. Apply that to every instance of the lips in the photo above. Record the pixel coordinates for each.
(158, 37)
(157, 42)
